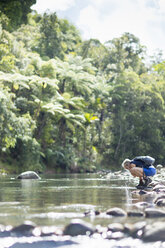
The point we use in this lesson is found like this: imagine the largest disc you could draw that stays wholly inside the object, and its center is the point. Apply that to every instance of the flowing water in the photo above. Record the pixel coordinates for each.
(57, 199)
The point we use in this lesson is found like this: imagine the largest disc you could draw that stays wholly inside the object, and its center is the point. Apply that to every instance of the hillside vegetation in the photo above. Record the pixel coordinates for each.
(72, 105)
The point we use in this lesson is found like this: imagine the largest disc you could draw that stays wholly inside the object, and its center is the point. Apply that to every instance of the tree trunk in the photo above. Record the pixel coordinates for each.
(119, 141)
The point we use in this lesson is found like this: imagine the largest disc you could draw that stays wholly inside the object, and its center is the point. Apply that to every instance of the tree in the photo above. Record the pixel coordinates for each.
(76, 75)
(95, 50)
(7, 58)
(12, 126)
(16, 11)
(124, 52)
(137, 111)
(58, 37)
(70, 104)
(160, 69)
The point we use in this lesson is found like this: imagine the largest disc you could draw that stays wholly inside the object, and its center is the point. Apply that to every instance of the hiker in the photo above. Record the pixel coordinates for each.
(141, 167)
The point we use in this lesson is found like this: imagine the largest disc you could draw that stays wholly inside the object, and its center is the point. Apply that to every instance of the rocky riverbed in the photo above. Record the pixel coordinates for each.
(147, 210)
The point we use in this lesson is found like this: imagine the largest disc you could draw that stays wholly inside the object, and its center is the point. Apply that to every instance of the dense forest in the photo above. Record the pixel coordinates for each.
(72, 105)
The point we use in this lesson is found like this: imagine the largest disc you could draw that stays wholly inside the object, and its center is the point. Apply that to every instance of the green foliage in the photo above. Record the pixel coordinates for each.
(7, 59)
(124, 53)
(160, 69)
(137, 111)
(16, 12)
(4, 20)
(74, 105)
(95, 50)
(76, 75)
(58, 37)
(27, 153)
(12, 126)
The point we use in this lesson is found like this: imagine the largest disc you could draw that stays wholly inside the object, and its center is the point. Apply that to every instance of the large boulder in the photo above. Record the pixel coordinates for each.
(78, 227)
(154, 213)
(154, 232)
(23, 230)
(28, 175)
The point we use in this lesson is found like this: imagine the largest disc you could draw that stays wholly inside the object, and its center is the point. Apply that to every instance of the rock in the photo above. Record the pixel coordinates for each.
(50, 230)
(78, 227)
(146, 192)
(143, 192)
(161, 191)
(44, 244)
(142, 204)
(128, 228)
(140, 192)
(135, 214)
(159, 166)
(91, 213)
(135, 192)
(154, 232)
(160, 203)
(116, 227)
(5, 231)
(117, 173)
(28, 175)
(24, 230)
(101, 230)
(153, 183)
(154, 213)
(160, 197)
(116, 212)
(159, 187)
(135, 230)
(117, 235)
(97, 212)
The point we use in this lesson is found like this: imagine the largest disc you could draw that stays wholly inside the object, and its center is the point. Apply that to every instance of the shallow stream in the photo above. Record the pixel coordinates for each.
(55, 200)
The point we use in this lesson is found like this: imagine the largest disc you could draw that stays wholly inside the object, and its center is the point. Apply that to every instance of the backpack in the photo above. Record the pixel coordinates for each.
(146, 159)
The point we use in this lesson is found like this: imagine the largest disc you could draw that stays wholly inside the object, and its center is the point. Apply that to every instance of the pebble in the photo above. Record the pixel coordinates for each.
(116, 212)
(91, 213)
(135, 214)
(160, 203)
(158, 187)
(116, 227)
(160, 197)
(142, 204)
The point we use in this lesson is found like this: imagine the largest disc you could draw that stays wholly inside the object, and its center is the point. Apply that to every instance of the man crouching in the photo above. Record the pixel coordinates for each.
(141, 167)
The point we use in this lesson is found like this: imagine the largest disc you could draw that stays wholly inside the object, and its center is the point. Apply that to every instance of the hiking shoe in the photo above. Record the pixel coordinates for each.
(141, 185)
(147, 181)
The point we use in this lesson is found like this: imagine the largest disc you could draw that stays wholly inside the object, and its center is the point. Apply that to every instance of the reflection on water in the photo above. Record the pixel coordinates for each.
(59, 198)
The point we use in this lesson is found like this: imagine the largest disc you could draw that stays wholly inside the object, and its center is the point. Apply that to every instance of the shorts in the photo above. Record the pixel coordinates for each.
(149, 171)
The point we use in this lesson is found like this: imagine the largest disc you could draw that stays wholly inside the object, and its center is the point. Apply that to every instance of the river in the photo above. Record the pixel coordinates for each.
(55, 200)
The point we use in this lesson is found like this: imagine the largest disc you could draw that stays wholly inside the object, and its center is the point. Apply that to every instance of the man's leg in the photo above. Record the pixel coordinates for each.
(147, 172)
(138, 172)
